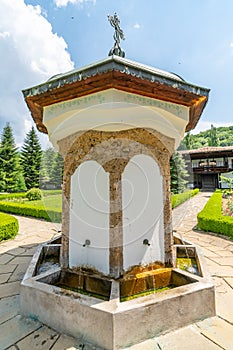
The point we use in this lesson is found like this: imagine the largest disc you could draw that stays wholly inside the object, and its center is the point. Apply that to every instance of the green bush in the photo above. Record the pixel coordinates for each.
(211, 218)
(28, 209)
(177, 199)
(8, 226)
(34, 194)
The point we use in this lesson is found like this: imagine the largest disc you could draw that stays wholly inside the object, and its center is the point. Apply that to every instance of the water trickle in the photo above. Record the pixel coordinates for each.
(188, 264)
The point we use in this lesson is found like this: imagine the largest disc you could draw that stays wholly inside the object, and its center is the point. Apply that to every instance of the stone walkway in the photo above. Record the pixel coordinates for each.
(18, 333)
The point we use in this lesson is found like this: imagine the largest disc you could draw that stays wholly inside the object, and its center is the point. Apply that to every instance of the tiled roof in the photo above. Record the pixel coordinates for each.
(207, 150)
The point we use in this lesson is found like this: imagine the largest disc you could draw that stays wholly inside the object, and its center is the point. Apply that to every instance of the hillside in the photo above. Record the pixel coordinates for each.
(221, 136)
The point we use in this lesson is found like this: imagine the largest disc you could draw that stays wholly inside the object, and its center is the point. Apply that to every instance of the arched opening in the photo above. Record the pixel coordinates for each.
(143, 212)
(89, 217)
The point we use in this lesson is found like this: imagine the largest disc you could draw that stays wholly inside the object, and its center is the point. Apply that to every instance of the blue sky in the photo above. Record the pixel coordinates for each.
(192, 38)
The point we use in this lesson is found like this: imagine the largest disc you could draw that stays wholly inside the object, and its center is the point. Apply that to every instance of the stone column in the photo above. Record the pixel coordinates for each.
(115, 168)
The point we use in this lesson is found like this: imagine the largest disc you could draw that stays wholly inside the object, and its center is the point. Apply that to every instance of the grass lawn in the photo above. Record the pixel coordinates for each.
(49, 202)
(48, 208)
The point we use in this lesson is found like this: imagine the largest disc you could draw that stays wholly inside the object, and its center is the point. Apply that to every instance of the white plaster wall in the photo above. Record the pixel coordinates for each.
(114, 110)
(89, 217)
(142, 199)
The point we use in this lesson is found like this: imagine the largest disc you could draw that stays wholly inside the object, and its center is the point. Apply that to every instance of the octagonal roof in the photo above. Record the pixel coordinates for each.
(122, 74)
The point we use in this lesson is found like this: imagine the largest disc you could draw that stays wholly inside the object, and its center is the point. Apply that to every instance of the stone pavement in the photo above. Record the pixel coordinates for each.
(18, 333)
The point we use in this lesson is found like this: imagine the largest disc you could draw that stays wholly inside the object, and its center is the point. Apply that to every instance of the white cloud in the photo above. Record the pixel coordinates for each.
(63, 3)
(4, 35)
(30, 53)
(137, 26)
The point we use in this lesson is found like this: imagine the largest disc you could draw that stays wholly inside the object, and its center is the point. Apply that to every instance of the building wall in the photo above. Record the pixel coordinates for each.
(113, 151)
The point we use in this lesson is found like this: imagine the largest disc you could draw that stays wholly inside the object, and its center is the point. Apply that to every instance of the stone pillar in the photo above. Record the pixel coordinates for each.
(115, 168)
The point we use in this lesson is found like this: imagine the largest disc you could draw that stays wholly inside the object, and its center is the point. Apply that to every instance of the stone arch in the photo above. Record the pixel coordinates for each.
(107, 148)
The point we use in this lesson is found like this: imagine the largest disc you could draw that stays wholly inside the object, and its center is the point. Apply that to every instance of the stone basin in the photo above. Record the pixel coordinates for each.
(97, 309)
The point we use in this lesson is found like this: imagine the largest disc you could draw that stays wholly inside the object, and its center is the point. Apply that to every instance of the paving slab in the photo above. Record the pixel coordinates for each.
(7, 268)
(65, 342)
(218, 331)
(4, 277)
(150, 344)
(42, 339)
(29, 251)
(208, 253)
(16, 251)
(229, 280)
(224, 298)
(224, 261)
(15, 329)
(21, 260)
(9, 289)
(9, 307)
(186, 338)
(224, 253)
(18, 273)
(5, 258)
(218, 270)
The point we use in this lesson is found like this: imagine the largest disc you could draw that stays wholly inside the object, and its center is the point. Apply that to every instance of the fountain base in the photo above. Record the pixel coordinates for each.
(113, 314)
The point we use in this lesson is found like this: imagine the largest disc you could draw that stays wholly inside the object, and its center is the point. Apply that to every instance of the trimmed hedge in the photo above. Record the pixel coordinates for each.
(45, 193)
(28, 209)
(180, 198)
(211, 218)
(8, 226)
(12, 195)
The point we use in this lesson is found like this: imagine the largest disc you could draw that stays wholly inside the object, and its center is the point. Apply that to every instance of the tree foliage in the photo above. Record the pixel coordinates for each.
(9, 162)
(213, 139)
(179, 173)
(57, 171)
(51, 169)
(221, 136)
(31, 154)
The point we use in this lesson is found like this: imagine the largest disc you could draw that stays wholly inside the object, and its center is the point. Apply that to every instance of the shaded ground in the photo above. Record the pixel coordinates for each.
(17, 332)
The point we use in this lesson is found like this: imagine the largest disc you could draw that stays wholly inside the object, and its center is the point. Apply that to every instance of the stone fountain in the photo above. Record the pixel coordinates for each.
(116, 283)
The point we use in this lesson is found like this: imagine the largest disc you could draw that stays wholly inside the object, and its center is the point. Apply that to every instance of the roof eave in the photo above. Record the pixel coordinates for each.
(122, 74)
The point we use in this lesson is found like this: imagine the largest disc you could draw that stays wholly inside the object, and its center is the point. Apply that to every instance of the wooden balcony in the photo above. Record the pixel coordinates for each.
(211, 167)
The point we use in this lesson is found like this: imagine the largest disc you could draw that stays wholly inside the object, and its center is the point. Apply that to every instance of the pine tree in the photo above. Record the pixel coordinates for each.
(178, 172)
(213, 139)
(31, 158)
(9, 162)
(57, 171)
(49, 159)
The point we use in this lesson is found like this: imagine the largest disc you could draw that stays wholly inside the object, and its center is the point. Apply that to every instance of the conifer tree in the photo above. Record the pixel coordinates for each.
(57, 171)
(49, 159)
(178, 172)
(9, 162)
(31, 159)
(213, 139)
